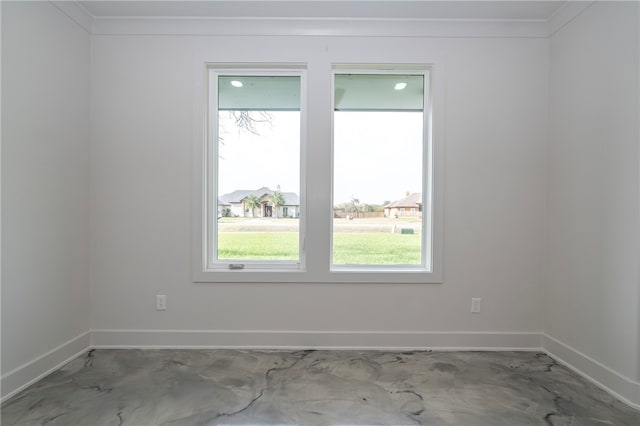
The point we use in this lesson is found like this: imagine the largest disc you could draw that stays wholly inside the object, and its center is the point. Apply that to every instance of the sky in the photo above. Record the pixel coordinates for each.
(378, 155)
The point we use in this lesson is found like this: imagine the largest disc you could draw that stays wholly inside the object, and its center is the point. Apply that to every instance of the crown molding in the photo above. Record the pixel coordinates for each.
(76, 13)
(332, 27)
(319, 27)
(565, 14)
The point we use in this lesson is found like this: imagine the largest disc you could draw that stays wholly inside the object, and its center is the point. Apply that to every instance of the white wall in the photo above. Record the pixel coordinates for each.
(592, 293)
(141, 165)
(45, 189)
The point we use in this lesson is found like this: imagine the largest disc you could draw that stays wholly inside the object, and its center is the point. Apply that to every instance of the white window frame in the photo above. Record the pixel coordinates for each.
(316, 173)
(232, 269)
(426, 261)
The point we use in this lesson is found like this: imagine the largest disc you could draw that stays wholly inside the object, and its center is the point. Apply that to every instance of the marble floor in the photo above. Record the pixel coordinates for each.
(306, 388)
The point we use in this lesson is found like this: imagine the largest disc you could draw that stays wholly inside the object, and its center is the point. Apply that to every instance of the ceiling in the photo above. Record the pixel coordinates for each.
(356, 9)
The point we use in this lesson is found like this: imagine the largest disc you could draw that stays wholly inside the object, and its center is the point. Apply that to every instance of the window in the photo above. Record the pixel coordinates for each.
(346, 193)
(378, 160)
(254, 169)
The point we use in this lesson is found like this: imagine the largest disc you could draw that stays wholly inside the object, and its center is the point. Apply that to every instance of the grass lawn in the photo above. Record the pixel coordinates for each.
(258, 245)
(350, 248)
(376, 249)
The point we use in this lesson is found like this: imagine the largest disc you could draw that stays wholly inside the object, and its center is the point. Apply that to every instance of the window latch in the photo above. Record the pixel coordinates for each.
(236, 266)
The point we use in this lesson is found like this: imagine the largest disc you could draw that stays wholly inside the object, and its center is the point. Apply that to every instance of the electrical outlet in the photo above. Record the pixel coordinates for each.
(475, 305)
(161, 302)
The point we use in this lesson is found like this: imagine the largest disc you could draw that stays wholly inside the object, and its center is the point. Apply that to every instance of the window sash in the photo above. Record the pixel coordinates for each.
(427, 246)
(211, 175)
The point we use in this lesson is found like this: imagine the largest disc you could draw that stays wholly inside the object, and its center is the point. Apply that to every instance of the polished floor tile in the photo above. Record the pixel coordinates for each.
(306, 388)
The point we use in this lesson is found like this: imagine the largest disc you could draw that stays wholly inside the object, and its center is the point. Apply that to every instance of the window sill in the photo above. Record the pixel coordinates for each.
(301, 276)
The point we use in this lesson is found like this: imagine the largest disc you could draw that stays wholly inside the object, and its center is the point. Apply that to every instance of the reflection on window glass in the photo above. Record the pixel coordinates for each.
(378, 169)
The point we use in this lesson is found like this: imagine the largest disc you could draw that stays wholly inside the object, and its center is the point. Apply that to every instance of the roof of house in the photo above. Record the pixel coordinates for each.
(411, 200)
(291, 198)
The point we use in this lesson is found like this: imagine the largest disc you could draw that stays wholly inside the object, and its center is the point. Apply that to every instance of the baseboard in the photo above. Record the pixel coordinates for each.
(336, 340)
(20, 378)
(623, 388)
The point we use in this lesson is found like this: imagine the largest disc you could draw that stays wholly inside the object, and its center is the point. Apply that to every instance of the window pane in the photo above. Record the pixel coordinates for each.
(378, 169)
(258, 173)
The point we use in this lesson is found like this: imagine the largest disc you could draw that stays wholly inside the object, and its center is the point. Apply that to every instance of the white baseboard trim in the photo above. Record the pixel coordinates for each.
(336, 340)
(27, 374)
(623, 388)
